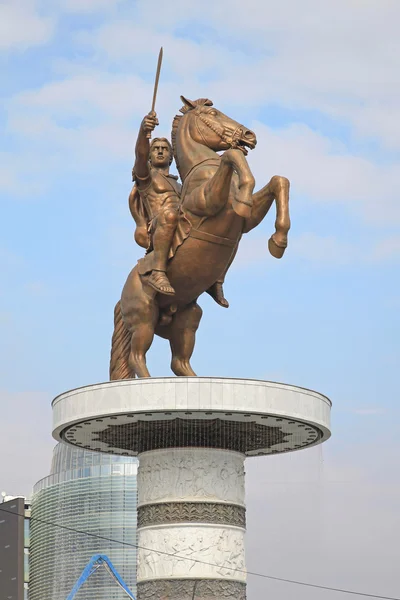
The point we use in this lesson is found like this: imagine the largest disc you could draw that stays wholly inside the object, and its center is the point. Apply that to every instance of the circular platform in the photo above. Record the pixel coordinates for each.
(132, 416)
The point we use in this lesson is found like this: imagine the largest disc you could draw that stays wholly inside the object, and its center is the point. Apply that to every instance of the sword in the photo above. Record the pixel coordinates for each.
(160, 57)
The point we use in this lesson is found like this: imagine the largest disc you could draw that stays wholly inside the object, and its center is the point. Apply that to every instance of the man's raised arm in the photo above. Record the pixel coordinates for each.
(142, 149)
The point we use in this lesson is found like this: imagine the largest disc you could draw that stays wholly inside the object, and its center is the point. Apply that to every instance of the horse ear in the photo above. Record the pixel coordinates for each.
(188, 104)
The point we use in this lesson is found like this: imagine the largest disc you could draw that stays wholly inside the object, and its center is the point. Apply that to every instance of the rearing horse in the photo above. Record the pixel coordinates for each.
(218, 206)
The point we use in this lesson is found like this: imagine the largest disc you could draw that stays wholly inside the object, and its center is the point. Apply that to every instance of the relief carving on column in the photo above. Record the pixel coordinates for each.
(191, 512)
(183, 589)
(182, 474)
(204, 552)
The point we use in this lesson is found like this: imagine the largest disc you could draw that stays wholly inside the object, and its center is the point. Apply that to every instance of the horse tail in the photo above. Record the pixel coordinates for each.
(120, 348)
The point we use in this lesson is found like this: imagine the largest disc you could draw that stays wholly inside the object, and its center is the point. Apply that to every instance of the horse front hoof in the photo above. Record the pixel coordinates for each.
(274, 249)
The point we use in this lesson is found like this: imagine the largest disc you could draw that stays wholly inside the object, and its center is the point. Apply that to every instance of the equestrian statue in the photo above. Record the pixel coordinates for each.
(190, 233)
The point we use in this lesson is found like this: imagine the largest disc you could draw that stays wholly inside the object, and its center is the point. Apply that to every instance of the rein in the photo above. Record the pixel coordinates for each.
(226, 134)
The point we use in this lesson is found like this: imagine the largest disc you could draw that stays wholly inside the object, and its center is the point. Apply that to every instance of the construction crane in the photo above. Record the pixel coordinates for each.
(95, 562)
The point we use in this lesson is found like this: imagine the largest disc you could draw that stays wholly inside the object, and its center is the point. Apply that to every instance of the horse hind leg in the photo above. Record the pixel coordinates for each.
(120, 348)
(182, 336)
(142, 334)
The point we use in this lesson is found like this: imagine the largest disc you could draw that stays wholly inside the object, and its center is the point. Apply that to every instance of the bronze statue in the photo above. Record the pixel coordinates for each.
(154, 203)
(191, 235)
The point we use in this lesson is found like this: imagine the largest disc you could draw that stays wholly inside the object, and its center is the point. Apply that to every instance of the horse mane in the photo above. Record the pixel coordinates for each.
(175, 125)
(177, 119)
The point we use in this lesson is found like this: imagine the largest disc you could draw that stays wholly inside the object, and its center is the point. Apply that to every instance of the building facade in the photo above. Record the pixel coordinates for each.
(84, 507)
(14, 548)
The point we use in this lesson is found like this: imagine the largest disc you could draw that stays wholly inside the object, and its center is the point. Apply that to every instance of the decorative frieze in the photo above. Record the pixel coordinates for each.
(192, 512)
(191, 474)
(204, 552)
(191, 589)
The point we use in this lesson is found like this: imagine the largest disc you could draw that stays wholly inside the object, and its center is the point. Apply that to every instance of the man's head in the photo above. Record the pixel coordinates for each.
(161, 154)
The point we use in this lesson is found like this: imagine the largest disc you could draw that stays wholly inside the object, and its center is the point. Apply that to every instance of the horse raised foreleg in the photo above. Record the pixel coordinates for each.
(211, 197)
(277, 189)
(243, 202)
(181, 334)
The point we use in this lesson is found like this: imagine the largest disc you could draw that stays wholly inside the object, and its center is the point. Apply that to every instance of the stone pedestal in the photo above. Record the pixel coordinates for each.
(191, 505)
(192, 436)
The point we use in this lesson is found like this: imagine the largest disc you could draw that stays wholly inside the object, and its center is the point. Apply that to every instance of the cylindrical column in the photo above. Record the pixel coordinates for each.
(191, 510)
(191, 435)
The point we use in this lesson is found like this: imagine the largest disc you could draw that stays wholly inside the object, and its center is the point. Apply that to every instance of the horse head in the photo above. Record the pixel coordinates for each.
(215, 130)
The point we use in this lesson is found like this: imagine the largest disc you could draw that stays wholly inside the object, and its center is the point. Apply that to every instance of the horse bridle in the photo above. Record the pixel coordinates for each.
(230, 136)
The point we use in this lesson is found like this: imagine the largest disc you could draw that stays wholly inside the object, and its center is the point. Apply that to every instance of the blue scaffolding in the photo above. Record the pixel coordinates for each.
(95, 562)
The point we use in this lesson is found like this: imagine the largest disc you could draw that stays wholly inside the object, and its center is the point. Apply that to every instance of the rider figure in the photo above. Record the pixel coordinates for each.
(159, 193)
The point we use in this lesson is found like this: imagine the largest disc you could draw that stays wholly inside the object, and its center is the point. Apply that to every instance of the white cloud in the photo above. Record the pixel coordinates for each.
(26, 443)
(339, 58)
(88, 6)
(316, 59)
(88, 117)
(324, 250)
(91, 115)
(22, 26)
(90, 99)
(299, 63)
(137, 45)
(321, 170)
(115, 96)
(321, 251)
(330, 250)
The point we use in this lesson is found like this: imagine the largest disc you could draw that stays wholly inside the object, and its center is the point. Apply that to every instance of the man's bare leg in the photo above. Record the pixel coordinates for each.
(165, 226)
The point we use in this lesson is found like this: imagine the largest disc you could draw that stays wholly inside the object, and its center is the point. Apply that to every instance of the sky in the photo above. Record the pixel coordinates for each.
(319, 83)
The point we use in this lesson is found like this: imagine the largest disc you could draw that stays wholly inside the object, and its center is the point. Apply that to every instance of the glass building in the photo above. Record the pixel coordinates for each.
(93, 493)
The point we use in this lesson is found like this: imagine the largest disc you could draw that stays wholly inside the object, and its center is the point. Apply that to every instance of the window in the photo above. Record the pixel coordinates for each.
(26, 533)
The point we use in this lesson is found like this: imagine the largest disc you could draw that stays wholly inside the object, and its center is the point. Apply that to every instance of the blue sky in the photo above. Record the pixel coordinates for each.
(319, 83)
